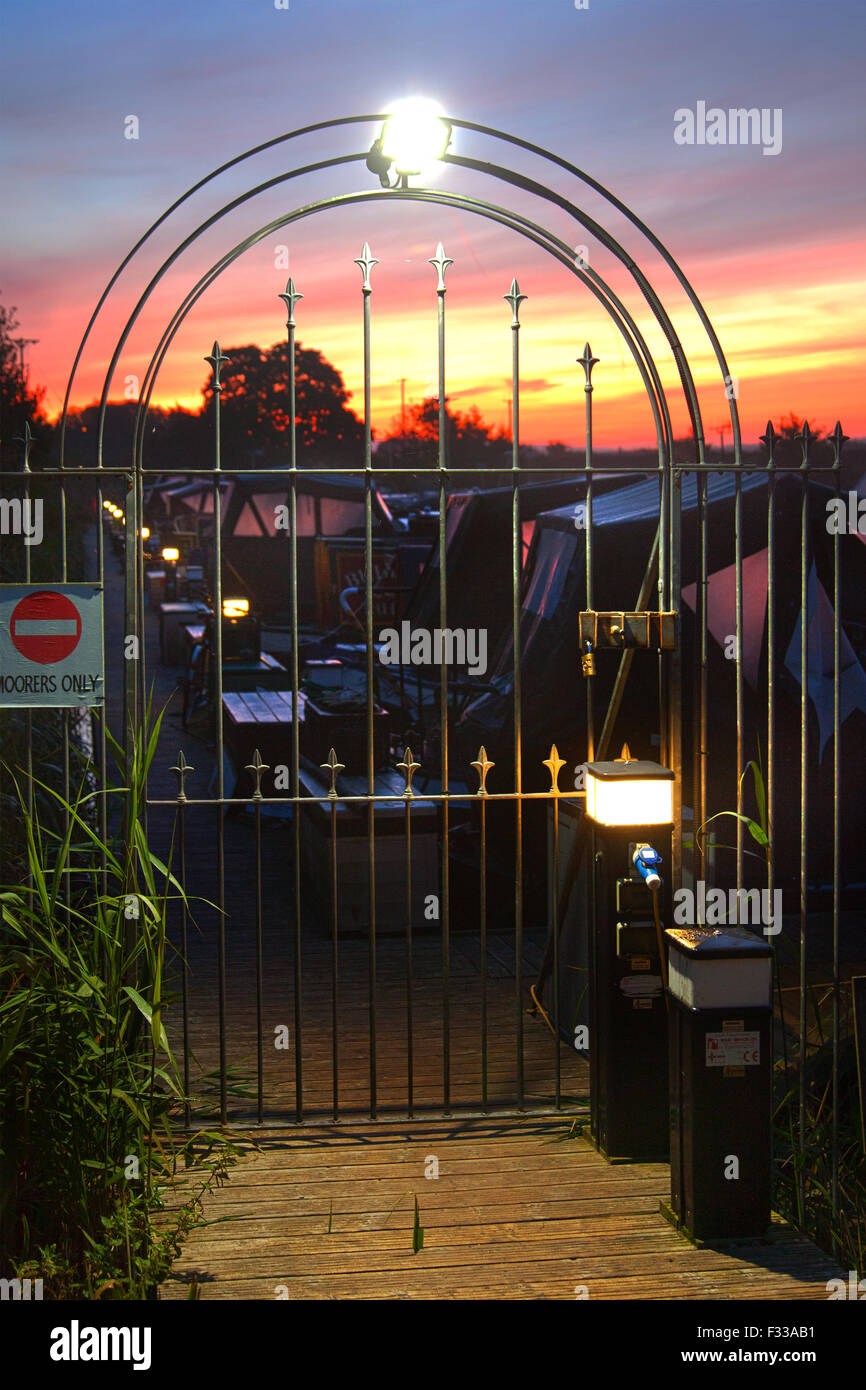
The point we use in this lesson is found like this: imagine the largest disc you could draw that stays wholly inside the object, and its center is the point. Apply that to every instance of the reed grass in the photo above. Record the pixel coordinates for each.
(88, 1081)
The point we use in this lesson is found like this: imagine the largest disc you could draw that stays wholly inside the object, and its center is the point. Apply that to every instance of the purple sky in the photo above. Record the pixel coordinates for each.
(773, 244)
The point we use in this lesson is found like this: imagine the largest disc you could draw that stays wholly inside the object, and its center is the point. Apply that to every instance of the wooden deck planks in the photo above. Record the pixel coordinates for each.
(514, 1214)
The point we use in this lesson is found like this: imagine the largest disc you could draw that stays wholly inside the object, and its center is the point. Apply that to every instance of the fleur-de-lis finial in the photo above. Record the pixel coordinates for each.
(257, 768)
(838, 440)
(625, 756)
(553, 764)
(182, 768)
(365, 262)
(440, 263)
(769, 437)
(805, 438)
(588, 362)
(291, 297)
(333, 767)
(482, 766)
(408, 767)
(27, 440)
(216, 359)
(515, 299)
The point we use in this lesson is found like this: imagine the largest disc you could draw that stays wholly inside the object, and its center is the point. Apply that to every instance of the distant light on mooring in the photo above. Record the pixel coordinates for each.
(170, 553)
(145, 533)
(629, 793)
(236, 607)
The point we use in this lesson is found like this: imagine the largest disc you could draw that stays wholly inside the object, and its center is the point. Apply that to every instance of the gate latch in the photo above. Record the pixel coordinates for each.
(651, 631)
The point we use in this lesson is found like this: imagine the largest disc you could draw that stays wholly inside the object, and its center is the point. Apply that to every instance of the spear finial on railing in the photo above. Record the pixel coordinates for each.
(333, 767)
(805, 438)
(216, 359)
(408, 767)
(290, 296)
(587, 361)
(553, 764)
(838, 440)
(257, 767)
(441, 262)
(482, 766)
(365, 263)
(515, 299)
(769, 437)
(182, 768)
(27, 440)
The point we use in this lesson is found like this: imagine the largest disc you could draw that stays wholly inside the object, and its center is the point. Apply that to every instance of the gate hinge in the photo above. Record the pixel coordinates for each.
(652, 631)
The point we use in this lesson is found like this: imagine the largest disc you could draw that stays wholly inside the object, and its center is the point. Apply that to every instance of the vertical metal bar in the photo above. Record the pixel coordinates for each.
(409, 767)
(132, 713)
(588, 362)
(440, 263)
(769, 439)
(290, 297)
(515, 299)
(674, 690)
(804, 795)
(366, 263)
(554, 763)
(483, 948)
(838, 439)
(216, 360)
(335, 1001)
(182, 768)
(103, 738)
(482, 766)
(740, 715)
(64, 574)
(28, 717)
(700, 788)
(260, 1059)
(185, 969)
(333, 767)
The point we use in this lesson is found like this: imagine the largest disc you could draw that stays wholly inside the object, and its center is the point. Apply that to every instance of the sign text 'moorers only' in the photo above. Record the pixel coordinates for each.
(51, 648)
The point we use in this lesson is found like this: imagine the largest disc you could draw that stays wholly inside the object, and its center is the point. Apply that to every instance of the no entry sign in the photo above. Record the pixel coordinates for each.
(45, 627)
(51, 645)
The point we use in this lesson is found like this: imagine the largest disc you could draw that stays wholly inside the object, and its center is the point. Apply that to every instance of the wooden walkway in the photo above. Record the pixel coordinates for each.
(518, 1211)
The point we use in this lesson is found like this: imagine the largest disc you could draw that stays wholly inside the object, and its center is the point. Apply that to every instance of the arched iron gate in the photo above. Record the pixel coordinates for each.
(719, 503)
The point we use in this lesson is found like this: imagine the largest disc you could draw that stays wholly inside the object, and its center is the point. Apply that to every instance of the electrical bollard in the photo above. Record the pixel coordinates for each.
(720, 983)
(629, 804)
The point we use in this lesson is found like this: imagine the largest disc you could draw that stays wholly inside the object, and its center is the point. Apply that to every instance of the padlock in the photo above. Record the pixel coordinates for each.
(587, 663)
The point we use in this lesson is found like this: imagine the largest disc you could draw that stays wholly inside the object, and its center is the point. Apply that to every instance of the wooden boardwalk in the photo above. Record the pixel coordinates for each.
(518, 1211)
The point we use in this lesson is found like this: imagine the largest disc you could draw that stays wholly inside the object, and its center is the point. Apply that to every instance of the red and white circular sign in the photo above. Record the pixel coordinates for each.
(45, 627)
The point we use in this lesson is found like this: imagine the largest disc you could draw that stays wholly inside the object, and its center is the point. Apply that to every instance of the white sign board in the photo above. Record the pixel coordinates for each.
(51, 649)
(733, 1049)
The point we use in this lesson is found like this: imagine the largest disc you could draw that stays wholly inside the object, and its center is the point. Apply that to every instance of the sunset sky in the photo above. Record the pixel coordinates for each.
(772, 243)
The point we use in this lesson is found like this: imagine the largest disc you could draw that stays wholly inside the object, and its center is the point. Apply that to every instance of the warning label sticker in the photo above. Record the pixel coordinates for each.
(733, 1049)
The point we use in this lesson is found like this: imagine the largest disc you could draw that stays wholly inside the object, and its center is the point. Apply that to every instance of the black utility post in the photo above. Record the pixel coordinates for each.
(720, 1074)
(630, 807)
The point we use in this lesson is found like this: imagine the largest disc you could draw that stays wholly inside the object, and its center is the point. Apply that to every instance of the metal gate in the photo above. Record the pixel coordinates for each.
(276, 1022)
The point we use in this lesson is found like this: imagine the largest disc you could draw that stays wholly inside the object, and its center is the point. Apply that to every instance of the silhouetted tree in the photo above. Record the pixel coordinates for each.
(19, 403)
(255, 407)
(471, 442)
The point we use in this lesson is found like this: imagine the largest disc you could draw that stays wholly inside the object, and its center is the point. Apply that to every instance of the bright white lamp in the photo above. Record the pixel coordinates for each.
(629, 793)
(415, 135)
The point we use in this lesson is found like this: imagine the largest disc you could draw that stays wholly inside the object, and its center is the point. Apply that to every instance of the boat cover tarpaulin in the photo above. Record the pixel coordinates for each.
(624, 525)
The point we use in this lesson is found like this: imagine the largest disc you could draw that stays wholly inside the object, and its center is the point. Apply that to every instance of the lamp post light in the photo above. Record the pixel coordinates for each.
(170, 557)
(630, 806)
(414, 136)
